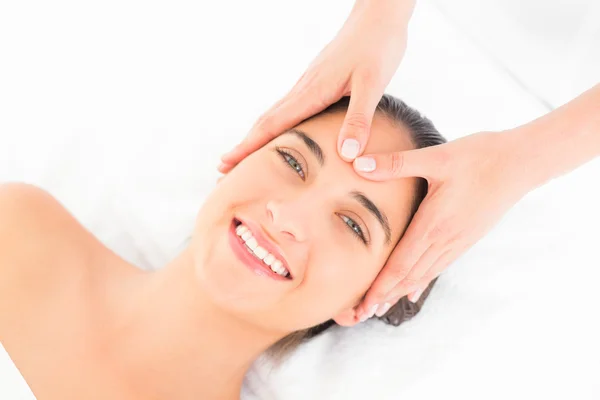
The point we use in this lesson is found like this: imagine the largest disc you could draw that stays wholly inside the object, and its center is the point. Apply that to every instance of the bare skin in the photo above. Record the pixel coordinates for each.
(80, 322)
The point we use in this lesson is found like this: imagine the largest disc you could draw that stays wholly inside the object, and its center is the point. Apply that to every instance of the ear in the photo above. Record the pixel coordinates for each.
(347, 317)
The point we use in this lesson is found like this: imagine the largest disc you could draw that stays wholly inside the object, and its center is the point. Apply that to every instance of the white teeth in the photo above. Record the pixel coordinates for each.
(246, 235)
(252, 243)
(269, 259)
(240, 230)
(260, 252)
(277, 266)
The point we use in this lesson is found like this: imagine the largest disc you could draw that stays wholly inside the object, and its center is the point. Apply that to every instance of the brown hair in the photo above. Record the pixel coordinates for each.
(423, 134)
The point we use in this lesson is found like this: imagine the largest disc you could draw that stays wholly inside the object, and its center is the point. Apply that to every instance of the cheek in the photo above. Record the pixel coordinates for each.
(247, 182)
(256, 174)
(343, 276)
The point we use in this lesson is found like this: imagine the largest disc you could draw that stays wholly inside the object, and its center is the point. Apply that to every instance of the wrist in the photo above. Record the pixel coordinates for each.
(528, 163)
(560, 141)
(536, 154)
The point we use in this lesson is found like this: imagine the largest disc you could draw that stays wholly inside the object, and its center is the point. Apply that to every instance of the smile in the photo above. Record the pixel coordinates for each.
(257, 253)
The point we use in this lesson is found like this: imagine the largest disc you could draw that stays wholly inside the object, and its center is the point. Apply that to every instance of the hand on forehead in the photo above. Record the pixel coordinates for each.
(386, 135)
(317, 138)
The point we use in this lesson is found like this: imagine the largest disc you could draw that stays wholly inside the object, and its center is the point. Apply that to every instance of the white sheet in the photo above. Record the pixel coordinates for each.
(552, 48)
(12, 384)
(122, 108)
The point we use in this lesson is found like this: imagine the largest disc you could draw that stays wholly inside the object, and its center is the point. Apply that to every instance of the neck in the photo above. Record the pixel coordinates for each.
(170, 341)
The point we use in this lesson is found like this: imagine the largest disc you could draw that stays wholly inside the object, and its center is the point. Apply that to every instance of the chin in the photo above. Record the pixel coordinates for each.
(222, 275)
(228, 282)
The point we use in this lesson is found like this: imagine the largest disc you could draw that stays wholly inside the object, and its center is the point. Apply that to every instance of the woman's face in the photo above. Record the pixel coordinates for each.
(326, 231)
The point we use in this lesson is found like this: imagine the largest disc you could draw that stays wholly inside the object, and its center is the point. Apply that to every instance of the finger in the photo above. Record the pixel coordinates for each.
(382, 309)
(406, 254)
(412, 282)
(442, 264)
(224, 168)
(357, 123)
(424, 162)
(286, 115)
(438, 267)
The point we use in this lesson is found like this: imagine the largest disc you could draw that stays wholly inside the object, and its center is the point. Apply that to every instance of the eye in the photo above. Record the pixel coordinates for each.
(355, 227)
(292, 162)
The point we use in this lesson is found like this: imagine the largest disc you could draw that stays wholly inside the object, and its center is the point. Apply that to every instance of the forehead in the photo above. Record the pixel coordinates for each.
(386, 135)
(394, 198)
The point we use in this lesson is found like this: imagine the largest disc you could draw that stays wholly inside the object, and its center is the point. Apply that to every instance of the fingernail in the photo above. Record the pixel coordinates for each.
(365, 164)
(368, 314)
(381, 310)
(350, 148)
(414, 297)
(372, 311)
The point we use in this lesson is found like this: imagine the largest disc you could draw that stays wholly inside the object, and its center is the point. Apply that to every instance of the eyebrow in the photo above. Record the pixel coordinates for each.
(311, 144)
(356, 195)
(369, 205)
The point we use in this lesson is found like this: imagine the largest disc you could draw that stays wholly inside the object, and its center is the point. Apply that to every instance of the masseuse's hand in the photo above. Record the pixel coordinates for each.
(359, 62)
(473, 181)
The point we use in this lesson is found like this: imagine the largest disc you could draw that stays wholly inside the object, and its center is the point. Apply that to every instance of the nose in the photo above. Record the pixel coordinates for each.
(291, 217)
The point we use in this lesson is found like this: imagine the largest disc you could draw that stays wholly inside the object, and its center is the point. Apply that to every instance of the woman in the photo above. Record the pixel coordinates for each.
(288, 240)
(473, 181)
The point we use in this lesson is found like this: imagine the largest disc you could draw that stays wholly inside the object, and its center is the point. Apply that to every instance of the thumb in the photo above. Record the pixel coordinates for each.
(403, 164)
(354, 134)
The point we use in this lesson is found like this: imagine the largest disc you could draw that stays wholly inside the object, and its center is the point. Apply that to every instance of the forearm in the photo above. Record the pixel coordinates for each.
(560, 141)
(393, 12)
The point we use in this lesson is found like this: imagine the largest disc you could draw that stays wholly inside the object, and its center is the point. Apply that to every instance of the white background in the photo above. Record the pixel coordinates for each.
(121, 109)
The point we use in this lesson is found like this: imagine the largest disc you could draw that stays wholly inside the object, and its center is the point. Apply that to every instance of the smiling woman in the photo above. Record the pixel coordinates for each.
(285, 245)
(336, 228)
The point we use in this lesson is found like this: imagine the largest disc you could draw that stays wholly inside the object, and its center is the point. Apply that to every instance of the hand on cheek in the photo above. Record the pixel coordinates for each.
(351, 315)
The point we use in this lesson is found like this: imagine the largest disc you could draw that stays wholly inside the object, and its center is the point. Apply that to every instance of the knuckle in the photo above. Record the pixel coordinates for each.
(256, 126)
(442, 160)
(435, 233)
(455, 242)
(409, 282)
(266, 121)
(357, 121)
(266, 129)
(369, 76)
(374, 295)
(440, 231)
(260, 123)
(410, 285)
(399, 271)
(378, 296)
(438, 268)
(397, 160)
(320, 97)
(429, 276)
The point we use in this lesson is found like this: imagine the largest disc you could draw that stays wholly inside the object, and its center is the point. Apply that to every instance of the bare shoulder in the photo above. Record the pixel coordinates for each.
(24, 207)
(27, 211)
(37, 234)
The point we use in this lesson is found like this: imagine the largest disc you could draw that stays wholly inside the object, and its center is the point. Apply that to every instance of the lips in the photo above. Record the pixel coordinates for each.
(253, 247)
